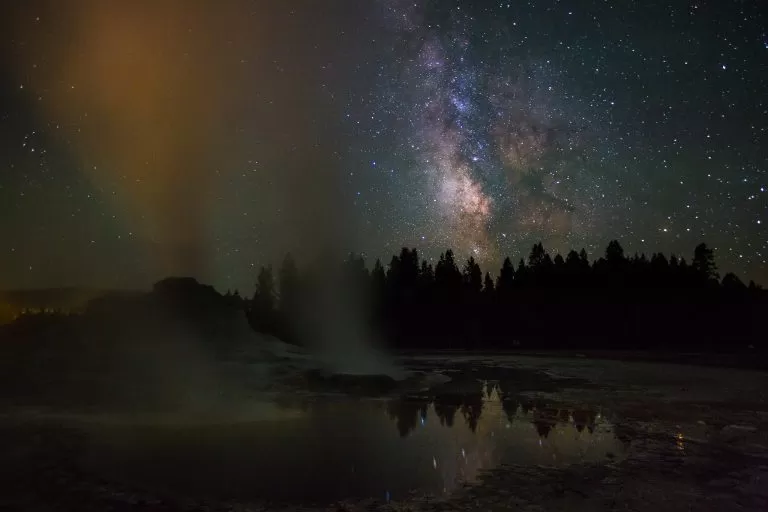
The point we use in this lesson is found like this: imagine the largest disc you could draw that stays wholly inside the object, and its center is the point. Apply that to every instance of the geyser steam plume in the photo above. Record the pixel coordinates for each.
(148, 91)
(149, 97)
(343, 341)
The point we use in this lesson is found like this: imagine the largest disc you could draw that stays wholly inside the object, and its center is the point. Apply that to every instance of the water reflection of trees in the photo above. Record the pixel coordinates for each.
(446, 406)
(409, 412)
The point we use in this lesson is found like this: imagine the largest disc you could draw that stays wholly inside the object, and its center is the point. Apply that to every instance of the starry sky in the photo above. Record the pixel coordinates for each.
(140, 139)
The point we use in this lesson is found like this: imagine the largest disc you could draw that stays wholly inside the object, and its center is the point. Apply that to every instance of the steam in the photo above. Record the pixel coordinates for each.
(342, 340)
(144, 89)
(150, 97)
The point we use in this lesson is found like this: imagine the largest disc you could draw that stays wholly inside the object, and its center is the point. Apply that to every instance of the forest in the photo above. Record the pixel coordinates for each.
(613, 302)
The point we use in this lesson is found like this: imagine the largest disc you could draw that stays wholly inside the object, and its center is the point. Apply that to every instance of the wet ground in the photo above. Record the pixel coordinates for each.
(503, 433)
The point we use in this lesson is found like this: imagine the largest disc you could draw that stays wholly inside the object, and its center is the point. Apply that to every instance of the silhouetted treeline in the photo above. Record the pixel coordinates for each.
(615, 302)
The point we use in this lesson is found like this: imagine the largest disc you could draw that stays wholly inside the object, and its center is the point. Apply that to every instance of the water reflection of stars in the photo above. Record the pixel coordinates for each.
(533, 435)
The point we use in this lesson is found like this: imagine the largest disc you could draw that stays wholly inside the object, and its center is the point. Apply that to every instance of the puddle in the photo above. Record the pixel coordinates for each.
(326, 450)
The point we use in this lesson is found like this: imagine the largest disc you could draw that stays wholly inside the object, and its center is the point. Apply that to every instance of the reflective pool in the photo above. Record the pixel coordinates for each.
(322, 450)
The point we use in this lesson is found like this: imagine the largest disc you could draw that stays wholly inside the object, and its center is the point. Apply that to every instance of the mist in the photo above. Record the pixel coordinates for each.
(192, 123)
(335, 327)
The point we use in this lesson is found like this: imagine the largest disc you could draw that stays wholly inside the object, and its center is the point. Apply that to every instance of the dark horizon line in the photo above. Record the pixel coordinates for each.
(366, 259)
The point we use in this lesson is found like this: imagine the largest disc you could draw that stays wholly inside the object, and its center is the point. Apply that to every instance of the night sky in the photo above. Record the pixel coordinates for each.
(140, 139)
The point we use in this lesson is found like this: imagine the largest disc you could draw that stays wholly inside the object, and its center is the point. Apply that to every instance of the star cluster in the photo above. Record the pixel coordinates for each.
(141, 140)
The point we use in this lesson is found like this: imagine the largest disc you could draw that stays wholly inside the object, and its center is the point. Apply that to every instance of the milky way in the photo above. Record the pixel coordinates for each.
(141, 139)
(546, 122)
(487, 131)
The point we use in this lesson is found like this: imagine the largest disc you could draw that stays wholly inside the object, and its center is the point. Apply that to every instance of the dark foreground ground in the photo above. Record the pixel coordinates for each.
(504, 433)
